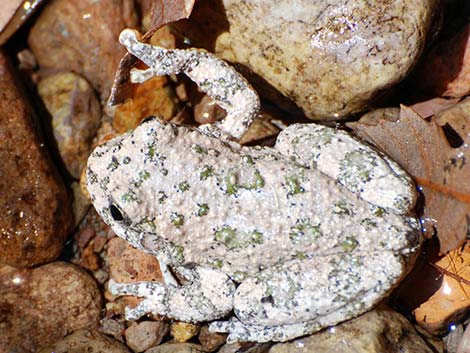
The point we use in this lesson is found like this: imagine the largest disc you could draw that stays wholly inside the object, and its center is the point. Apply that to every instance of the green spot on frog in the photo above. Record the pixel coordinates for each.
(206, 172)
(248, 160)
(203, 209)
(126, 160)
(342, 208)
(379, 212)
(233, 239)
(162, 197)
(304, 232)
(177, 219)
(218, 263)
(293, 186)
(113, 165)
(183, 186)
(369, 223)
(239, 276)
(164, 171)
(349, 244)
(198, 149)
(129, 196)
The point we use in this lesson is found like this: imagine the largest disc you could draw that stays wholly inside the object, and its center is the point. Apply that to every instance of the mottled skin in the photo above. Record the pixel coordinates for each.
(276, 235)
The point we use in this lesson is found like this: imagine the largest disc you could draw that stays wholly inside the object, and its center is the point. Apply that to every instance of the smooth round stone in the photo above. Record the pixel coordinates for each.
(331, 57)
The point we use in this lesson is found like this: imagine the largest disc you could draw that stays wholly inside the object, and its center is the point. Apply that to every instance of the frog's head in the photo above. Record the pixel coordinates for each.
(119, 174)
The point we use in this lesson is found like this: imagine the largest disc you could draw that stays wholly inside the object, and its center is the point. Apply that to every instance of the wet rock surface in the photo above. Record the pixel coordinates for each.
(86, 341)
(381, 330)
(36, 214)
(330, 57)
(42, 305)
(81, 36)
(76, 114)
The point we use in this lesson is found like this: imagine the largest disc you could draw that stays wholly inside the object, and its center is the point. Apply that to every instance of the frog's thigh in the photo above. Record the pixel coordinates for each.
(358, 167)
(315, 292)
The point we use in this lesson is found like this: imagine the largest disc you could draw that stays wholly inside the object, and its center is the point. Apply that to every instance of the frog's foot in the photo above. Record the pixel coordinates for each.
(240, 332)
(364, 171)
(206, 296)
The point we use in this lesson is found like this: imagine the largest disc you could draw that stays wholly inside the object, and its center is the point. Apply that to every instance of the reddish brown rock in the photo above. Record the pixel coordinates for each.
(86, 341)
(211, 340)
(76, 115)
(127, 264)
(36, 215)
(42, 305)
(445, 70)
(144, 335)
(82, 36)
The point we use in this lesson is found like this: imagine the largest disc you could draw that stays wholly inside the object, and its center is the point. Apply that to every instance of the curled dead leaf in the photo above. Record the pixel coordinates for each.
(429, 152)
(163, 12)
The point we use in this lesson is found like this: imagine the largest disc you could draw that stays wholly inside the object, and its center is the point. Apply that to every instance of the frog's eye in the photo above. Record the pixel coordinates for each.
(116, 213)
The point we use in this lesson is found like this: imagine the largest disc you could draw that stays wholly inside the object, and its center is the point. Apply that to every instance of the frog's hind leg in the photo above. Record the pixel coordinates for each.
(303, 296)
(206, 296)
(355, 165)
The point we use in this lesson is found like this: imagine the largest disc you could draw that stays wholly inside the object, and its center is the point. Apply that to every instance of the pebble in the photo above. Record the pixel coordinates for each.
(146, 334)
(86, 341)
(211, 340)
(176, 347)
(82, 36)
(331, 58)
(76, 115)
(36, 212)
(183, 331)
(380, 330)
(42, 305)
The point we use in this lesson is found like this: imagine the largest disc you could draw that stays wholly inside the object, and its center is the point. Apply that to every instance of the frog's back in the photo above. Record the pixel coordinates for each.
(242, 209)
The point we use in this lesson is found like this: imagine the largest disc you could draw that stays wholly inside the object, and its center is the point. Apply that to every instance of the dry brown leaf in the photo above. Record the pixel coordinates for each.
(441, 171)
(163, 12)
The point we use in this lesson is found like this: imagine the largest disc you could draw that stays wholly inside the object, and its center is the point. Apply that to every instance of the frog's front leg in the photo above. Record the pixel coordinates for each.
(300, 297)
(372, 175)
(207, 295)
(213, 76)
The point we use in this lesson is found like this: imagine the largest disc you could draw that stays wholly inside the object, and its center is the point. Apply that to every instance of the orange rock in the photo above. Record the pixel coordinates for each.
(153, 97)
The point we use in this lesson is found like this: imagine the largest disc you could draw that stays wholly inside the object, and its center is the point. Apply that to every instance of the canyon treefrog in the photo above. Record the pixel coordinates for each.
(286, 240)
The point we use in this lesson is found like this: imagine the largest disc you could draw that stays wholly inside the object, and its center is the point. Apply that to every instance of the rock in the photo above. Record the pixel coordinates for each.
(211, 340)
(153, 97)
(127, 264)
(112, 328)
(176, 347)
(36, 213)
(13, 15)
(330, 57)
(44, 304)
(445, 69)
(245, 347)
(76, 115)
(86, 341)
(82, 36)
(183, 331)
(381, 330)
(144, 335)
(80, 205)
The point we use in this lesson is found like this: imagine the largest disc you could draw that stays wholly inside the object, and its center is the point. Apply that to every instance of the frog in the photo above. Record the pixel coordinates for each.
(265, 243)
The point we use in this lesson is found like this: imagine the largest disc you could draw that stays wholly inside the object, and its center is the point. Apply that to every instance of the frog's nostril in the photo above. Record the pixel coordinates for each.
(115, 213)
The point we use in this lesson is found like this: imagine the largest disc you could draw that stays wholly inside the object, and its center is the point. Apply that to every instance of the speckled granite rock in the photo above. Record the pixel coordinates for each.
(42, 305)
(330, 57)
(82, 36)
(378, 331)
(36, 214)
(86, 341)
(76, 115)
